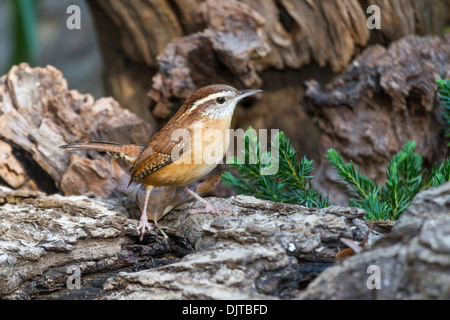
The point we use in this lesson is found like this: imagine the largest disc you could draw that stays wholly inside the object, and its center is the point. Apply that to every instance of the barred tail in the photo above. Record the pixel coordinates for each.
(127, 152)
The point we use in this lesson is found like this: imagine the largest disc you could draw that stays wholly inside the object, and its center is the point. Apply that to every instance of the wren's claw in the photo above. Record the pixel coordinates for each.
(143, 225)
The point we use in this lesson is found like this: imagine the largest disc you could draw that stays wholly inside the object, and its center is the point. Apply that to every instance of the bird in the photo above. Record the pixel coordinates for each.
(174, 156)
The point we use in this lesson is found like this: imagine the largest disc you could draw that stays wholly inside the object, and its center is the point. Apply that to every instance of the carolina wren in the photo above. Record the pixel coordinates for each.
(166, 161)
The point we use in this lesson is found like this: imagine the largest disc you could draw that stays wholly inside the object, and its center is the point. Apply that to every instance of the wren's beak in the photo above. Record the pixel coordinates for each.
(245, 93)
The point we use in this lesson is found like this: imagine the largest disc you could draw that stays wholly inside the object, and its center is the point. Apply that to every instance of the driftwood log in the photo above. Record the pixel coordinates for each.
(386, 97)
(412, 262)
(258, 250)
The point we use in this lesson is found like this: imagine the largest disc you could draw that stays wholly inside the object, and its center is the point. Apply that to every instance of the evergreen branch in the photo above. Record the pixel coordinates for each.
(291, 184)
(442, 174)
(444, 92)
(362, 184)
(286, 155)
(405, 177)
(375, 209)
(444, 95)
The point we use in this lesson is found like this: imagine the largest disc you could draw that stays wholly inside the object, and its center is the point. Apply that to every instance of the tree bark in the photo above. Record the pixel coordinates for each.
(258, 249)
(385, 98)
(411, 263)
(295, 34)
(131, 35)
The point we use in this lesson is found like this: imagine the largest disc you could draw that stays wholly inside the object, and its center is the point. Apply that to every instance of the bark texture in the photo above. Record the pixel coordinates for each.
(258, 249)
(281, 35)
(386, 97)
(413, 260)
(42, 236)
(38, 113)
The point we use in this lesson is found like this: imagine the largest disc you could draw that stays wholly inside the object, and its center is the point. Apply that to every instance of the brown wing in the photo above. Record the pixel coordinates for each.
(159, 152)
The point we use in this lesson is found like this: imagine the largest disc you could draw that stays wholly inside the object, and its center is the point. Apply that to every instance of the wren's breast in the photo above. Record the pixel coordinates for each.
(209, 144)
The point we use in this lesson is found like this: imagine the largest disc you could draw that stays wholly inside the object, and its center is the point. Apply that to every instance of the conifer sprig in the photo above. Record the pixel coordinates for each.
(404, 179)
(444, 95)
(290, 184)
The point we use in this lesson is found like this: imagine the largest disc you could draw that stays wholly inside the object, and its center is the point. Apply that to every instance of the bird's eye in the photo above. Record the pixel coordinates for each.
(220, 100)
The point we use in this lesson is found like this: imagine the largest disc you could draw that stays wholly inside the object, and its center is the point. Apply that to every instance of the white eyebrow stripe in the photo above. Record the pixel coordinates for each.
(209, 97)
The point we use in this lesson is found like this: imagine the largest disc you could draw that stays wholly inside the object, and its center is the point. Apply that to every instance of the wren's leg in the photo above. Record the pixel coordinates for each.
(159, 228)
(143, 223)
(209, 208)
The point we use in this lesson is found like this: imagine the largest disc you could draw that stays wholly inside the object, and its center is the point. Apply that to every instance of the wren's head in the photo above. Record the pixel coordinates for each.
(217, 100)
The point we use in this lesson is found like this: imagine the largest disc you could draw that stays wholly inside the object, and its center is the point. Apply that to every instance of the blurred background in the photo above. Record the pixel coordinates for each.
(35, 31)
(329, 81)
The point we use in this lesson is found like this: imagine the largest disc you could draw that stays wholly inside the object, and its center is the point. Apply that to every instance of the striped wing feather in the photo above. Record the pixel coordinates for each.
(159, 152)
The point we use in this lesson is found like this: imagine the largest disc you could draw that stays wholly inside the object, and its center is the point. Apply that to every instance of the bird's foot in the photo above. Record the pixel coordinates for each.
(143, 225)
(160, 229)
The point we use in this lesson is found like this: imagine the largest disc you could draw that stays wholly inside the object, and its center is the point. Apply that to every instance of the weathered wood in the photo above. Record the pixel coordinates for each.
(296, 33)
(258, 249)
(413, 261)
(132, 34)
(224, 52)
(38, 113)
(385, 98)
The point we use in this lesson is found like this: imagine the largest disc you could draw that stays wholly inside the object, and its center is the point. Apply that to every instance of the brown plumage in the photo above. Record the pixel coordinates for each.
(127, 152)
(159, 150)
(169, 158)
